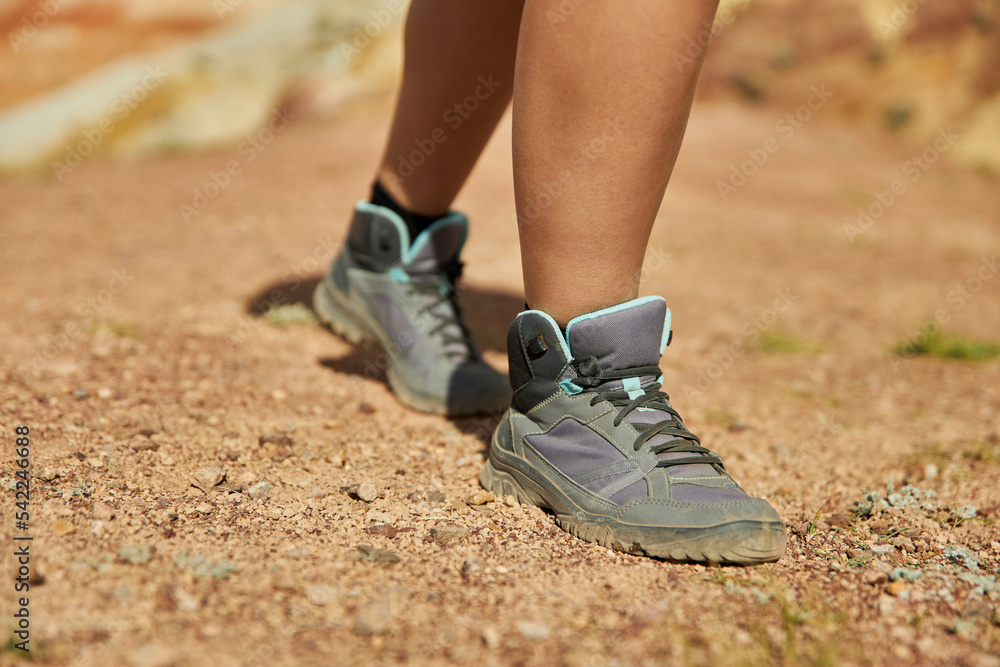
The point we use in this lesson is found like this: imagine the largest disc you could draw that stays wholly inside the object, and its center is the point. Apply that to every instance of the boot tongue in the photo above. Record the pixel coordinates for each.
(624, 336)
(433, 249)
(627, 336)
(438, 244)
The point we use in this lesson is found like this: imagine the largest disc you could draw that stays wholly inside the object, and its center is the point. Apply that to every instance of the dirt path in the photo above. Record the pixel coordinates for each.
(130, 347)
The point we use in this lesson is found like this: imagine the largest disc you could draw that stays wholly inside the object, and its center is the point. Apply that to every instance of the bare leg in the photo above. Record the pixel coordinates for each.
(455, 50)
(600, 109)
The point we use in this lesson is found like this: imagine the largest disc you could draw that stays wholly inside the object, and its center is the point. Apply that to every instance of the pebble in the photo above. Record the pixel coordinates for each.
(904, 543)
(426, 496)
(472, 565)
(280, 439)
(63, 528)
(367, 492)
(207, 477)
(895, 588)
(375, 618)
(376, 515)
(186, 601)
(321, 595)
(480, 497)
(449, 533)
(491, 637)
(105, 393)
(153, 655)
(383, 529)
(532, 630)
(47, 474)
(881, 548)
(95, 463)
(376, 555)
(204, 508)
(259, 491)
(102, 512)
(876, 578)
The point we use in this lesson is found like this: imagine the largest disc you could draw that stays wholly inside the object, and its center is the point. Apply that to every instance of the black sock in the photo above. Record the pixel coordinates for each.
(415, 222)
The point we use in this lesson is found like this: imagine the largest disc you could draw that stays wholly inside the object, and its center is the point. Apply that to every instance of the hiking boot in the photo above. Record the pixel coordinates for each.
(402, 295)
(590, 436)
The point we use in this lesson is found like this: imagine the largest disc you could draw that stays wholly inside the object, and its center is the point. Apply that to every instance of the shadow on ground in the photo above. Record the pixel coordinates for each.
(488, 313)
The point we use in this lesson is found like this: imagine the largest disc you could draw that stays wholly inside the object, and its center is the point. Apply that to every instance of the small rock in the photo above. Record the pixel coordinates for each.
(876, 578)
(153, 655)
(375, 515)
(105, 393)
(480, 497)
(383, 529)
(102, 512)
(63, 528)
(203, 508)
(491, 637)
(162, 517)
(375, 618)
(367, 492)
(532, 630)
(47, 474)
(259, 491)
(80, 394)
(449, 533)
(895, 588)
(904, 543)
(186, 601)
(840, 520)
(321, 595)
(280, 439)
(95, 463)
(365, 408)
(738, 426)
(854, 554)
(426, 496)
(472, 565)
(145, 445)
(368, 552)
(881, 548)
(930, 471)
(208, 477)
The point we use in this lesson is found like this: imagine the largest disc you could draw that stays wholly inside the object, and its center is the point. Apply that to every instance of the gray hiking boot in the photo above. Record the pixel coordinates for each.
(400, 295)
(590, 436)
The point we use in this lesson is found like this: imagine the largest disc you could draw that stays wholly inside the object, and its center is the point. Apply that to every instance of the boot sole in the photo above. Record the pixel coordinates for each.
(743, 542)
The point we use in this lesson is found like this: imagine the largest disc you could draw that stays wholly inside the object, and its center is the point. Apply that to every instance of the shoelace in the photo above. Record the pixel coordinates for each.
(439, 288)
(591, 377)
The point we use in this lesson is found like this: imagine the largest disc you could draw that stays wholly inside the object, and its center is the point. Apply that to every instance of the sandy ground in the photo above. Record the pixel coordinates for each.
(130, 345)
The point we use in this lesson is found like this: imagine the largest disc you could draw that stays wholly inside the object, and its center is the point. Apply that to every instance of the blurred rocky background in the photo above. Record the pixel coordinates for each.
(140, 76)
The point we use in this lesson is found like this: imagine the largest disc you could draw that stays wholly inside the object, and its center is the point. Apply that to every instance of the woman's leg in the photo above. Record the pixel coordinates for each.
(458, 77)
(600, 109)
